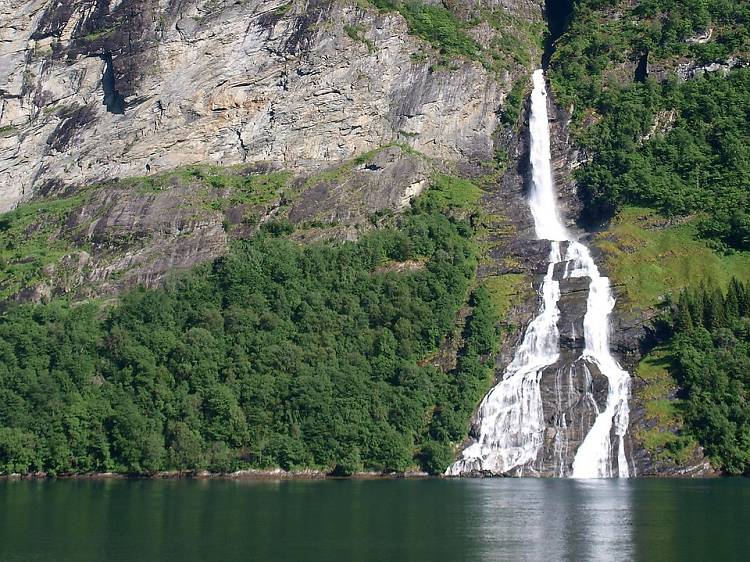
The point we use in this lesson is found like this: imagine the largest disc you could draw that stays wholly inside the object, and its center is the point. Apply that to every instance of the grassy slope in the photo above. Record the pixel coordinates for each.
(664, 418)
(650, 259)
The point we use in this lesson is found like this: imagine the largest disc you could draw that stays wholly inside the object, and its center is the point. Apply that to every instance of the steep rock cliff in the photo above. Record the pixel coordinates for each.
(97, 90)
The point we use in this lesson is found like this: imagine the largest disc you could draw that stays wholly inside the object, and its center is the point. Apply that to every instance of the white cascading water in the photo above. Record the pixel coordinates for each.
(512, 427)
(512, 420)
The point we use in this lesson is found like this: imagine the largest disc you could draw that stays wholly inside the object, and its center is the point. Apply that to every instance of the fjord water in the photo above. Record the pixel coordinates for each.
(511, 416)
(408, 520)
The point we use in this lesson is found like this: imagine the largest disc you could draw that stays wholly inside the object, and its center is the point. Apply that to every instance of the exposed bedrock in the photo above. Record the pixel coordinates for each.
(94, 90)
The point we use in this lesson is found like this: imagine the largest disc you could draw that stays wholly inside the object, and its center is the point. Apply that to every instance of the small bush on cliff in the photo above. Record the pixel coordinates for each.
(436, 25)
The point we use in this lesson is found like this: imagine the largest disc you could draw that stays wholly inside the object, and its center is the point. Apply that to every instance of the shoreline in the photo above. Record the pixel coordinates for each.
(280, 475)
(246, 474)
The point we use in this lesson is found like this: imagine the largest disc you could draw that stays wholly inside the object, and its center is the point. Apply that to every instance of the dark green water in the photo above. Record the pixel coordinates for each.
(473, 520)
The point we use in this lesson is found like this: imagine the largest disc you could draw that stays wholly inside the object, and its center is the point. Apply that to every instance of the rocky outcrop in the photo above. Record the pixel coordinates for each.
(137, 231)
(97, 90)
(387, 180)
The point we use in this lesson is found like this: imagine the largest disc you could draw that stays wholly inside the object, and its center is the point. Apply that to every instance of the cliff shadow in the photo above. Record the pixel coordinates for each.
(558, 14)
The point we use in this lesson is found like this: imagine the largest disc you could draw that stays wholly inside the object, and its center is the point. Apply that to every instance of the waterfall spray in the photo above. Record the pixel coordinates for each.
(511, 417)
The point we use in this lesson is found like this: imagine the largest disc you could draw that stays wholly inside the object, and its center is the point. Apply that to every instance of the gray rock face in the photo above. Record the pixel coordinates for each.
(136, 238)
(389, 180)
(96, 90)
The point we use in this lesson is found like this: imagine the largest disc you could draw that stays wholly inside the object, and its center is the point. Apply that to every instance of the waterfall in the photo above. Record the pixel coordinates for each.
(511, 416)
(593, 458)
(512, 420)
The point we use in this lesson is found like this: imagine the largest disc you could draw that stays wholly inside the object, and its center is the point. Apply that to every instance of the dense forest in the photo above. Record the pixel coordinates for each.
(276, 355)
(710, 352)
(679, 146)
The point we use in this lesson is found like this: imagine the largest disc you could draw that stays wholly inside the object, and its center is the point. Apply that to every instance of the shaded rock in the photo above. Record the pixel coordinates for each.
(138, 238)
(572, 304)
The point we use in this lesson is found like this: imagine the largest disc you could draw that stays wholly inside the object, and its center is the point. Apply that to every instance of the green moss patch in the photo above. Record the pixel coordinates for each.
(453, 192)
(664, 438)
(32, 237)
(506, 290)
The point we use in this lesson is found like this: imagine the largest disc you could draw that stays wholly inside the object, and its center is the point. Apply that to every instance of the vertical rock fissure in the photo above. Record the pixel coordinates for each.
(113, 100)
(558, 14)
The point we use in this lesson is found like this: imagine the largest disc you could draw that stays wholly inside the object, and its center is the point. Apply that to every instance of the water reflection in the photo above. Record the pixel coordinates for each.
(555, 520)
(472, 520)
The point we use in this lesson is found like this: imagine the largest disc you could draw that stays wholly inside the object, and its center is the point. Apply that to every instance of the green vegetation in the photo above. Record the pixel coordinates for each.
(517, 39)
(665, 439)
(357, 33)
(699, 165)
(224, 186)
(448, 30)
(283, 9)
(452, 192)
(591, 57)
(32, 237)
(436, 25)
(709, 354)
(99, 34)
(678, 147)
(514, 102)
(275, 355)
(650, 257)
(505, 290)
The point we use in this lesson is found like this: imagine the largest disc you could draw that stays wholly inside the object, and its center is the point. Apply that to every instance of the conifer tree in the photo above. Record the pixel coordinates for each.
(716, 315)
(695, 303)
(732, 302)
(683, 318)
(745, 300)
(704, 296)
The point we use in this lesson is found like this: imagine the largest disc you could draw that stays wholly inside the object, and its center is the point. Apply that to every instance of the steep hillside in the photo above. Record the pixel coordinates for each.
(142, 139)
(658, 97)
(197, 193)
